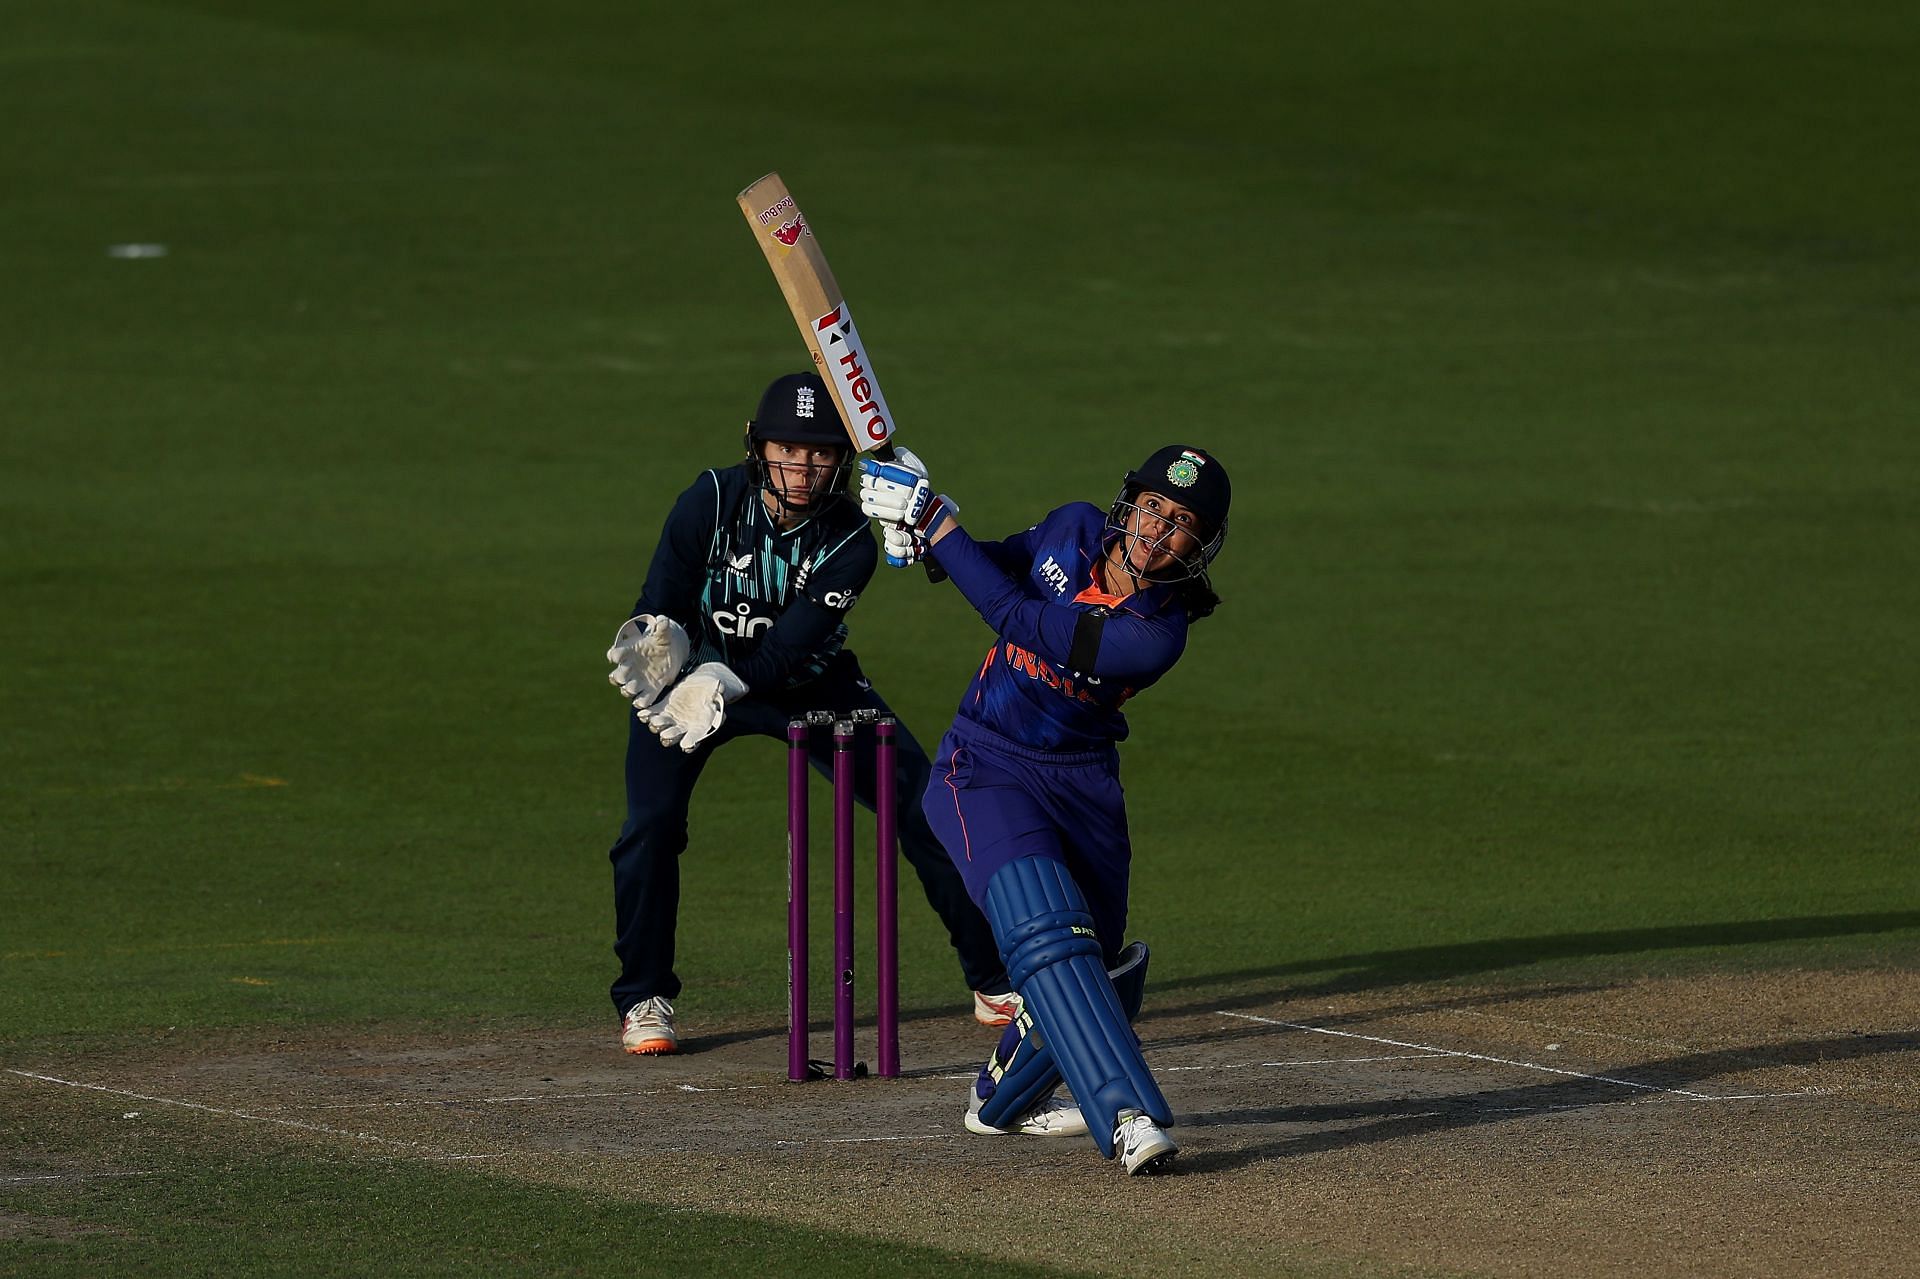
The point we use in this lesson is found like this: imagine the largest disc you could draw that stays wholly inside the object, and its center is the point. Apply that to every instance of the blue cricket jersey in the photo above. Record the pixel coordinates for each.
(1068, 655)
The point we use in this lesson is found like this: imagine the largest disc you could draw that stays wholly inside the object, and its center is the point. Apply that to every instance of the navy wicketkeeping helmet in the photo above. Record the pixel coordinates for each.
(796, 408)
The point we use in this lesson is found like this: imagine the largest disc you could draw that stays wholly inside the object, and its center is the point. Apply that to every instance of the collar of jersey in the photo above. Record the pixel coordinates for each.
(1148, 599)
(773, 525)
(1144, 601)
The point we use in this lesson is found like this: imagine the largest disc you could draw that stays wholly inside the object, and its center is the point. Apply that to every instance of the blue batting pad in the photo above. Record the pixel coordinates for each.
(1022, 1072)
(1046, 937)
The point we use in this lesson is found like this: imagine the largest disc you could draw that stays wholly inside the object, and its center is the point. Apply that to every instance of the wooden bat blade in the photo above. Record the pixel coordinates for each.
(819, 309)
(783, 236)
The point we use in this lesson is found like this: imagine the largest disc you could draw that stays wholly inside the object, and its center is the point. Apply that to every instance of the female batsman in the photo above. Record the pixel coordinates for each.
(1088, 608)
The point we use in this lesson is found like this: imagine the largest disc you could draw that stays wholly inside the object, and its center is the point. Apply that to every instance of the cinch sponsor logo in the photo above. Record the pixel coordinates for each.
(741, 622)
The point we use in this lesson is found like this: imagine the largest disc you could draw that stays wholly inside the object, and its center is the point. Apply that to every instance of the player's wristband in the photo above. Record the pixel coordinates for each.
(941, 509)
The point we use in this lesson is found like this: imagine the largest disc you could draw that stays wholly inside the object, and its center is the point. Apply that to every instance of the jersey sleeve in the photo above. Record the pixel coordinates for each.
(1107, 645)
(818, 610)
(679, 563)
(1013, 553)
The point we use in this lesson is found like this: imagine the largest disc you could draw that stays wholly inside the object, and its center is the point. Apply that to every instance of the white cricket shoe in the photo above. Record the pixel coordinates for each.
(648, 1027)
(996, 1010)
(1143, 1148)
(1051, 1118)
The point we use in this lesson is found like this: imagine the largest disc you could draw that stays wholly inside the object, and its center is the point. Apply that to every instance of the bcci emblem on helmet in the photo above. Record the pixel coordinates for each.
(1194, 478)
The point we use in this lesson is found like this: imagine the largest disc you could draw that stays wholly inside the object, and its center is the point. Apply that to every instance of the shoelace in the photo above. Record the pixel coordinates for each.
(650, 1012)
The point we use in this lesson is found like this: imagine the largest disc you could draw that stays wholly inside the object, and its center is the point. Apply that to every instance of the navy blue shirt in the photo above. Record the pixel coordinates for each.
(1069, 655)
(771, 604)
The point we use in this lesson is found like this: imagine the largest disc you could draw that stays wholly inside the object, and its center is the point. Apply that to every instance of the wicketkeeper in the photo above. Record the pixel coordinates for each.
(741, 627)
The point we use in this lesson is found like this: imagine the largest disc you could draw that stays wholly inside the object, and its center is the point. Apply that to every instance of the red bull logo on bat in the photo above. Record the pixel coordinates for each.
(768, 215)
(789, 233)
(846, 363)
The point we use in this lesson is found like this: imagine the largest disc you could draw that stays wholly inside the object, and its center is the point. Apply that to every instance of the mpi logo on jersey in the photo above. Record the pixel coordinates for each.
(1053, 575)
(740, 621)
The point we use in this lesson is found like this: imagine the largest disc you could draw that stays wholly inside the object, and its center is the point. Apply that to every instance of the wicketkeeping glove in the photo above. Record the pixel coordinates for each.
(694, 709)
(648, 652)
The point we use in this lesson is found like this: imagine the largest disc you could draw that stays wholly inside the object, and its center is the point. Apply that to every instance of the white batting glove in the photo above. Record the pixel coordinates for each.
(898, 492)
(894, 492)
(648, 651)
(903, 547)
(694, 709)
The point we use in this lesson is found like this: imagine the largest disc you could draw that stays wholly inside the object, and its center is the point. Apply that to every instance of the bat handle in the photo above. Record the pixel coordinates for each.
(934, 572)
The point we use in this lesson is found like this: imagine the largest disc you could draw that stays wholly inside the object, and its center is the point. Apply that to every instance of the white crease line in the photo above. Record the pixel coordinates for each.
(523, 1097)
(68, 1176)
(1572, 1030)
(235, 1114)
(854, 1141)
(1245, 1065)
(1526, 1065)
(1323, 1061)
(585, 1096)
(1662, 1101)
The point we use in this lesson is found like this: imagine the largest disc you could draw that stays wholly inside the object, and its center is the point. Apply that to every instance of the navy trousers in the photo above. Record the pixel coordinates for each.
(994, 801)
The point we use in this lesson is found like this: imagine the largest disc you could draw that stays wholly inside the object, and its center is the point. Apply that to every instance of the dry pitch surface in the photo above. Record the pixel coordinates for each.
(1758, 1124)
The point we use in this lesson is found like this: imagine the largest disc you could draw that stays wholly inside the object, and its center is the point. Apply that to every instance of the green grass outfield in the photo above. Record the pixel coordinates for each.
(1564, 358)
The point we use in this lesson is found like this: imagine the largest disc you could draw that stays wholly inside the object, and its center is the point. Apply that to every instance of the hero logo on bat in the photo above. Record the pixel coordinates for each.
(846, 361)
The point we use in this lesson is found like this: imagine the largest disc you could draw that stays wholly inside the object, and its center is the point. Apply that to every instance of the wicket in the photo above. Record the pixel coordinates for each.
(799, 732)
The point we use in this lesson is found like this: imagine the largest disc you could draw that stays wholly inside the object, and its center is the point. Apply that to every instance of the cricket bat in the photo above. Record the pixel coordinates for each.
(819, 308)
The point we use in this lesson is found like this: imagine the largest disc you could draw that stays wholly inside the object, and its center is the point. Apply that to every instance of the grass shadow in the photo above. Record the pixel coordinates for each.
(1369, 970)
